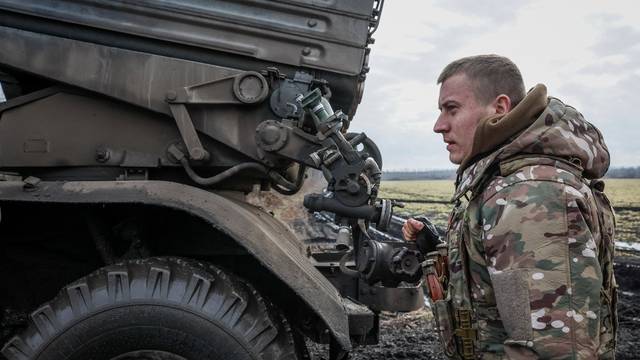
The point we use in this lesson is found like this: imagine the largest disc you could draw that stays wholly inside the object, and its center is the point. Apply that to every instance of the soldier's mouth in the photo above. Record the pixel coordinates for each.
(450, 144)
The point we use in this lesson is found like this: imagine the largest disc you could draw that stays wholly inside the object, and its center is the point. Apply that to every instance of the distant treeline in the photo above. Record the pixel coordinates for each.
(419, 175)
(615, 173)
(624, 172)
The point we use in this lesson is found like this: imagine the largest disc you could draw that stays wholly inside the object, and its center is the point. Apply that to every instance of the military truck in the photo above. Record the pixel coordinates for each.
(130, 135)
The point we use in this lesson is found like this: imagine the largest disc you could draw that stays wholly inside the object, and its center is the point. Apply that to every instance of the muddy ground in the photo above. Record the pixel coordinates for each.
(409, 335)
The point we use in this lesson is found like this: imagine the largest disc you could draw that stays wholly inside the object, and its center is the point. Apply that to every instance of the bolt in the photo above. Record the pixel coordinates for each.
(171, 95)
(408, 262)
(353, 187)
(312, 23)
(198, 154)
(31, 183)
(270, 134)
(306, 51)
(102, 155)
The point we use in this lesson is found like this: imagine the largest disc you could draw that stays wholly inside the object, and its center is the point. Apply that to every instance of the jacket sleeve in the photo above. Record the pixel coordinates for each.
(543, 265)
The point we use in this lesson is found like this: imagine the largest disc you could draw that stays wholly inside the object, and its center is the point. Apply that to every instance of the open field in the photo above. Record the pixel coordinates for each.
(624, 194)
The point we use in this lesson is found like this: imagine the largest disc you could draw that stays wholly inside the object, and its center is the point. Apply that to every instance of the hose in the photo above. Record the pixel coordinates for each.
(371, 168)
(223, 175)
(284, 186)
(317, 202)
(343, 266)
(209, 181)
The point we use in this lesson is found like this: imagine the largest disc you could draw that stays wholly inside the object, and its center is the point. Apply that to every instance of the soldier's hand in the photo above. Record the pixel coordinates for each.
(411, 228)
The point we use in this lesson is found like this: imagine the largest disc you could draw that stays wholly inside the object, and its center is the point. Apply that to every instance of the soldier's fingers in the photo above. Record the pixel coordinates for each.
(415, 224)
(408, 234)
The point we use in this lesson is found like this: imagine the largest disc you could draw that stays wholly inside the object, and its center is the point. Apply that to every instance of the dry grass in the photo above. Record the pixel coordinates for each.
(434, 190)
(623, 192)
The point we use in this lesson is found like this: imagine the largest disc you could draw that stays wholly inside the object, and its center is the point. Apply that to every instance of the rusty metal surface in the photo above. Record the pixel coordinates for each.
(329, 35)
(266, 238)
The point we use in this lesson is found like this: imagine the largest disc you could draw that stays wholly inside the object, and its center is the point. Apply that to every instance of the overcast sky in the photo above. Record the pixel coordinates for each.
(587, 53)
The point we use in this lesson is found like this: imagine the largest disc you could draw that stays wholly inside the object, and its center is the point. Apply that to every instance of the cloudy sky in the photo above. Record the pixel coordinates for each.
(587, 53)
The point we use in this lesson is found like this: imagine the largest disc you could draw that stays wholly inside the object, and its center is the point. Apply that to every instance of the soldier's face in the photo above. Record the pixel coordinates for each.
(460, 113)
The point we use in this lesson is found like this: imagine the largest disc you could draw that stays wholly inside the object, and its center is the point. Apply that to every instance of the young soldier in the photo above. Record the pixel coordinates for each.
(530, 270)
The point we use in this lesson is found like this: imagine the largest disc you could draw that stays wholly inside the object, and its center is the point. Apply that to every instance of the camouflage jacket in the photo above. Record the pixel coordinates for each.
(530, 274)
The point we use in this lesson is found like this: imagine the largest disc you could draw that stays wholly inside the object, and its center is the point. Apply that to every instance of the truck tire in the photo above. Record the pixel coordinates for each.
(155, 309)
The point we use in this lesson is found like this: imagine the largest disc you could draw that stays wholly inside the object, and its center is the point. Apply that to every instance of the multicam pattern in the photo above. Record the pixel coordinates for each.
(559, 131)
(527, 254)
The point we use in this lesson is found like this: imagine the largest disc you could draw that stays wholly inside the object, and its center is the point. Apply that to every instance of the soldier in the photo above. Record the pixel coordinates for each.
(530, 249)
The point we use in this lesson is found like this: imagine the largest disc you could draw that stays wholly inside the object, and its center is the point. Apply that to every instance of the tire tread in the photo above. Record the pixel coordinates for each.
(220, 297)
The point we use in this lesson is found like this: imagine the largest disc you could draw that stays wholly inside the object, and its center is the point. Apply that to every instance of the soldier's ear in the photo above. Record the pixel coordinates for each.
(502, 104)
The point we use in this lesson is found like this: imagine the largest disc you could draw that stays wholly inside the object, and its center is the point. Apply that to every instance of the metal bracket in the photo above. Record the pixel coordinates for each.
(188, 132)
(249, 87)
(380, 298)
